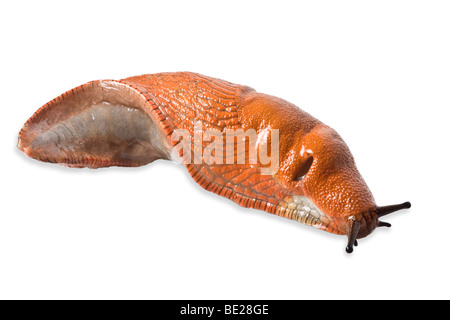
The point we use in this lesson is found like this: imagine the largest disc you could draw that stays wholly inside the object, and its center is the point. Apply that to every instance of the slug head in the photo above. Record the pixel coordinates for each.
(330, 179)
(317, 169)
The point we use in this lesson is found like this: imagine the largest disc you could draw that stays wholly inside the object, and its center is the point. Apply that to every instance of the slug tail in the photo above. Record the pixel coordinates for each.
(99, 124)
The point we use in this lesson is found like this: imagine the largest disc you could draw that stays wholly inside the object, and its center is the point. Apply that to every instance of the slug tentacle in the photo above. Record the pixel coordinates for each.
(354, 231)
(382, 211)
(259, 151)
(384, 224)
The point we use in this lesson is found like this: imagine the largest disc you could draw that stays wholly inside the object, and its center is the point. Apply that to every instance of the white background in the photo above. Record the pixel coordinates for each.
(376, 71)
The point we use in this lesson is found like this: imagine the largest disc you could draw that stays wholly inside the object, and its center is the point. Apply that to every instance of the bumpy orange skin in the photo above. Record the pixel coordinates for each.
(333, 182)
(307, 148)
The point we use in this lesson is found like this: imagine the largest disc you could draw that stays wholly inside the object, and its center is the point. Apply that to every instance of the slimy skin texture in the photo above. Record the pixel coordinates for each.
(132, 122)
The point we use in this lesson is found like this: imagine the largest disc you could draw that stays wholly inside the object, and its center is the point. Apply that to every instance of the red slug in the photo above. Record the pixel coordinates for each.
(260, 151)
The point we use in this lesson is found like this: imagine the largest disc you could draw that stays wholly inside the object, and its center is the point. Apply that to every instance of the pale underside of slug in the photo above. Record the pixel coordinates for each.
(133, 122)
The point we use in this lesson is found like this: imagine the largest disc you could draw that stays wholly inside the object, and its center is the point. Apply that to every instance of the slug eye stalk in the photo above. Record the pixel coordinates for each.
(354, 230)
(382, 211)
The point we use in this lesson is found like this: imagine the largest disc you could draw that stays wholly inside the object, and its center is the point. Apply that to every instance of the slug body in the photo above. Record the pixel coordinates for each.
(134, 121)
